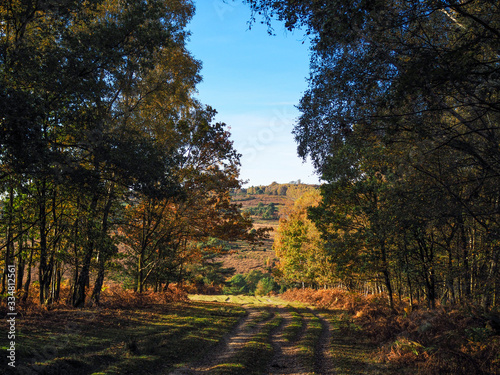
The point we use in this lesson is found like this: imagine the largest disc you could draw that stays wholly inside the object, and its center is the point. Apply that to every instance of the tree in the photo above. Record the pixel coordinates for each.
(414, 68)
(97, 111)
(163, 235)
(418, 78)
(297, 244)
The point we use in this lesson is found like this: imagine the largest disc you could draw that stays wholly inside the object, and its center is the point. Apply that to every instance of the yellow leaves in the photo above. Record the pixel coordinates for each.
(298, 243)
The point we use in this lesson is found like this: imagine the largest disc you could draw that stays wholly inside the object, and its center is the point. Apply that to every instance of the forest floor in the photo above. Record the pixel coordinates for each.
(208, 335)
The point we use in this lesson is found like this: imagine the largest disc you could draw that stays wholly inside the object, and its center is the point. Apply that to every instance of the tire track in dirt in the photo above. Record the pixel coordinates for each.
(324, 358)
(285, 360)
(231, 343)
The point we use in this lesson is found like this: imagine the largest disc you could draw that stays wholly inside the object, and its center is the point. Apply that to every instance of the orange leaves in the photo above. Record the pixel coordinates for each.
(434, 341)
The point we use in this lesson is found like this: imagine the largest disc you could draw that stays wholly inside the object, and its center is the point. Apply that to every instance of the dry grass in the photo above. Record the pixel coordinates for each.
(248, 257)
(279, 200)
(255, 301)
(112, 296)
(441, 341)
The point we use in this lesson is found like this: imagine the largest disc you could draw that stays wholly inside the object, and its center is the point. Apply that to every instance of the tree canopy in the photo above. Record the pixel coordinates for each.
(106, 158)
(401, 119)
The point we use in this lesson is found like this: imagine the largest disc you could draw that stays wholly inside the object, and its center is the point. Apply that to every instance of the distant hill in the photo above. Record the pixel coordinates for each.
(291, 190)
(257, 201)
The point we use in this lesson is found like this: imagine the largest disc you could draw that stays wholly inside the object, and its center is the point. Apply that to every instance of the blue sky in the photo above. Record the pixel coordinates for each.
(254, 81)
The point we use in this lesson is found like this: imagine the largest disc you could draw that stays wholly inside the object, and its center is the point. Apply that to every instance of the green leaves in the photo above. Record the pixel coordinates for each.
(400, 119)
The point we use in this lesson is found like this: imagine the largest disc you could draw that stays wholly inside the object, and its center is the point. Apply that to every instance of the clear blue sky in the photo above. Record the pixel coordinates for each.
(254, 81)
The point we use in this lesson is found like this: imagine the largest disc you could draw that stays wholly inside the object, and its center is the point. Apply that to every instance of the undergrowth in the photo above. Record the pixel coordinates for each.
(440, 341)
(112, 296)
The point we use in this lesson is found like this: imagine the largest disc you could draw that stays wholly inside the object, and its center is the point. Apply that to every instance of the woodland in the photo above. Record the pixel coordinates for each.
(112, 172)
(109, 164)
(107, 161)
(401, 121)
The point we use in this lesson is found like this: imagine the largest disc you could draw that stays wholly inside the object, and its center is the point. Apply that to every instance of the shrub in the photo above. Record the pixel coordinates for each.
(236, 285)
(265, 286)
(253, 283)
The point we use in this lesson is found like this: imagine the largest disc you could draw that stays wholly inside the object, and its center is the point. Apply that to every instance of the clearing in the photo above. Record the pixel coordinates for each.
(208, 335)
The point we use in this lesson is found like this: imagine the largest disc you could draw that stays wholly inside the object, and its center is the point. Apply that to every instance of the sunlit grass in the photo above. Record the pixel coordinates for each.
(245, 300)
(134, 341)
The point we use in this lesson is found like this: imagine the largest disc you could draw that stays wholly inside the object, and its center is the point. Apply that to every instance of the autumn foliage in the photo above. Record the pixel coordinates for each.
(109, 166)
(114, 296)
(439, 341)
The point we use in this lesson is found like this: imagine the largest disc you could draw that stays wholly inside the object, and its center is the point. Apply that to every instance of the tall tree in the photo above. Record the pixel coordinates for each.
(162, 234)
(421, 78)
(303, 259)
(96, 98)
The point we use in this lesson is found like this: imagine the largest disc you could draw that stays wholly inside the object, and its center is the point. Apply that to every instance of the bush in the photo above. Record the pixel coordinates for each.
(253, 283)
(265, 286)
(236, 285)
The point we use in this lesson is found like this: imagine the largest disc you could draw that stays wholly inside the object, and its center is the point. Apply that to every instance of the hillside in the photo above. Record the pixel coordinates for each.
(248, 258)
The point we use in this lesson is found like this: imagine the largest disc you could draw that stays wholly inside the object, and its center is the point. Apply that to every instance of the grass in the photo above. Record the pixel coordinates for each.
(121, 341)
(265, 315)
(308, 343)
(245, 300)
(255, 356)
(160, 338)
(291, 332)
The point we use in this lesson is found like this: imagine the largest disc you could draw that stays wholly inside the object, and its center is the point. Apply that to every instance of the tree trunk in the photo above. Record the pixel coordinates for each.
(21, 263)
(410, 291)
(432, 289)
(57, 283)
(140, 265)
(76, 263)
(387, 276)
(103, 253)
(9, 248)
(96, 293)
(466, 278)
(449, 282)
(44, 269)
(489, 283)
(84, 276)
(28, 274)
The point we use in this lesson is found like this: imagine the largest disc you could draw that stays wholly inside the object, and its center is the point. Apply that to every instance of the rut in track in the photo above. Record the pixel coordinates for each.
(288, 355)
(324, 360)
(234, 341)
(285, 353)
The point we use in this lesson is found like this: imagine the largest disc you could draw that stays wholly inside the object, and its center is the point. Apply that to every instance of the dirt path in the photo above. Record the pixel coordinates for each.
(232, 342)
(317, 347)
(286, 353)
(324, 359)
